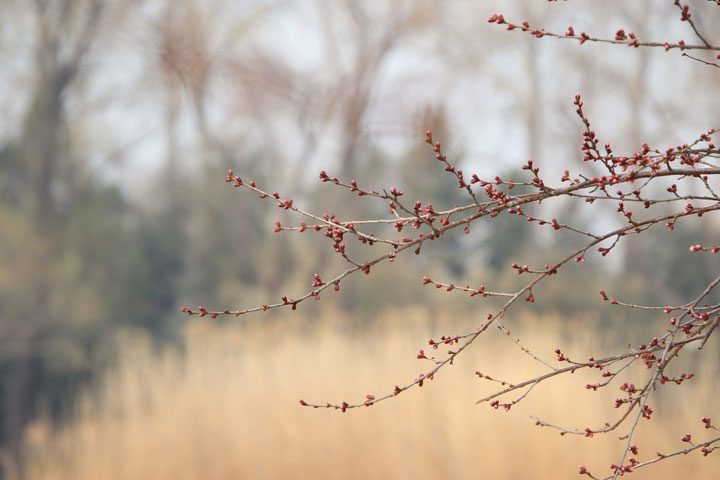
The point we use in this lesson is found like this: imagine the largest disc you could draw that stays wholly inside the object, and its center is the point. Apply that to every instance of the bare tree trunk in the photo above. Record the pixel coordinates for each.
(43, 129)
(40, 153)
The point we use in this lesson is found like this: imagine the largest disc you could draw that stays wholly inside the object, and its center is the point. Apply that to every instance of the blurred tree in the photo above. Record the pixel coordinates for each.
(66, 240)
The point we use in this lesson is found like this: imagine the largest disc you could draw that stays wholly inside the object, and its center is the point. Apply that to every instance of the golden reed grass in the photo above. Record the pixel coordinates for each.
(228, 408)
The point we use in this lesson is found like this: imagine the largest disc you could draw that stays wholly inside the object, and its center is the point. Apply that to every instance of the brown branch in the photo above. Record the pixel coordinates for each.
(583, 37)
(701, 60)
(686, 18)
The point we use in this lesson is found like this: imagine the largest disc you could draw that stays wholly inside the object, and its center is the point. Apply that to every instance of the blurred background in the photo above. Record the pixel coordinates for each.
(120, 121)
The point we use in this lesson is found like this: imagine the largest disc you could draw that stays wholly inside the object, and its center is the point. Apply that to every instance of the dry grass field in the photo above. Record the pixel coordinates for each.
(228, 408)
